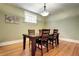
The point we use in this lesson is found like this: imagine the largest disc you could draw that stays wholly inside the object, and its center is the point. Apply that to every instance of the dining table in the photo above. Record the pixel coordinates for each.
(33, 42)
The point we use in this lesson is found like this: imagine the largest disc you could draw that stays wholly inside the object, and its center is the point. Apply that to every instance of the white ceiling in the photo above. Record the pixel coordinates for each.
(51, 7)
(38, 7)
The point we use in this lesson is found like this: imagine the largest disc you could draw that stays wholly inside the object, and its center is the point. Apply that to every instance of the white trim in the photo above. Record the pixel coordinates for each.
(70, 40)
(20, 40)
(10, 42)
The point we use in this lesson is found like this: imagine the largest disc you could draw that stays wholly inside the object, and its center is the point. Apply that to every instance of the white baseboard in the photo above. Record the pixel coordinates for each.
(20, 40)
(70, 40)
(10, 42)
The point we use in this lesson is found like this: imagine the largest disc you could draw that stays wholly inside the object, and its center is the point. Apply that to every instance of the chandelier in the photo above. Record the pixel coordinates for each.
(45, 12)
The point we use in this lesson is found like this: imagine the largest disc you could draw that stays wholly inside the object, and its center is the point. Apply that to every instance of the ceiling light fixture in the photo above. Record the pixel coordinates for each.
(45, 12)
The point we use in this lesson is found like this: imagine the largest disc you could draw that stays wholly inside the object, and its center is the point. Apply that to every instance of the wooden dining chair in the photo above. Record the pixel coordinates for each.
(31, 32)
(43, 40)
(54, 38)
(55, 35)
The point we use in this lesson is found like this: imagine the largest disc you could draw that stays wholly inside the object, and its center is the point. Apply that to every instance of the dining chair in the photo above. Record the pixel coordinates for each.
(55, 34)
(54, 38)
(43, 40)
(31, 32)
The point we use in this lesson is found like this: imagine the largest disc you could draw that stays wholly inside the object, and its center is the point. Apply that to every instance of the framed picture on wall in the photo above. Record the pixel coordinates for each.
(11, 19)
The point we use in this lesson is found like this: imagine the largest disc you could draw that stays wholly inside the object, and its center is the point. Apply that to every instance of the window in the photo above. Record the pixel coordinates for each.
(30, 17)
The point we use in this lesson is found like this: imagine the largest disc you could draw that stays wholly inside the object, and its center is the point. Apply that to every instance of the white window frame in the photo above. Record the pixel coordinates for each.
(30, 17)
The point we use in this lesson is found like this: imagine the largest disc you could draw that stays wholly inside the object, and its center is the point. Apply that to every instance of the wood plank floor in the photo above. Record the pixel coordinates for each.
(64, 49)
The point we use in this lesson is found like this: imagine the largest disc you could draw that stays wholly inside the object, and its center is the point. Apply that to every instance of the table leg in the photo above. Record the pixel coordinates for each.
(33, 46)
(24, 42)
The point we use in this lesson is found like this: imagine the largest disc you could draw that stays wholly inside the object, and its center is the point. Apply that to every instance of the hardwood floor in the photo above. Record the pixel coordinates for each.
(64, 49)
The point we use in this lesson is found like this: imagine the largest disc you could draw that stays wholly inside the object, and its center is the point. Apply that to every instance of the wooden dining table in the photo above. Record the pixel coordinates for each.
(33, 44)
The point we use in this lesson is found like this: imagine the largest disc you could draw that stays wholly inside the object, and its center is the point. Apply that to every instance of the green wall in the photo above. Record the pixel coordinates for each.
(67, 21)
(9, 32)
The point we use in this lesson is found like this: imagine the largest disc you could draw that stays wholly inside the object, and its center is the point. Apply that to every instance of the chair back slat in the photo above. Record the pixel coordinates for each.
(55, 33)
(31, 32)
(45, 33)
